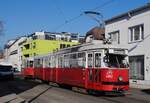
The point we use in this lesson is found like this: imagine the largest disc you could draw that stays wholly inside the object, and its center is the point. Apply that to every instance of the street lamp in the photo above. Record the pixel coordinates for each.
(94, 15)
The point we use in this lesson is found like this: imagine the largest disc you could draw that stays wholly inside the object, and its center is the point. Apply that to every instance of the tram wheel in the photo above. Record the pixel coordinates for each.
(115, 94)
(90, 92)
(45, 82)
(96, 93)
(26, 78)
(65, 86)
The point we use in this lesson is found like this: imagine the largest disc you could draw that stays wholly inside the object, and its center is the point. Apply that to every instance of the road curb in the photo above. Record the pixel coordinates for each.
(12, 98)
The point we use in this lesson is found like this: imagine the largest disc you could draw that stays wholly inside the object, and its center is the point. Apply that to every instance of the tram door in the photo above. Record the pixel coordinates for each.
(90, 61)
(93, 62)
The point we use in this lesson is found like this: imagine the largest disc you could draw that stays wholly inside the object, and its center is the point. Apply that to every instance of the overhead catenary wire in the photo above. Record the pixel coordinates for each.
(68, 21)
(59, 9)
(78, 16)
(104, 4)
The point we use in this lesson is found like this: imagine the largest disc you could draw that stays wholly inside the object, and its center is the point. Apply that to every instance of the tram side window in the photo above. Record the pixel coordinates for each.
(35, 63)
(41, 63)
(90, 60)
(29, 63)
(73, 60)
(66, 61)
(49, 62)
(53, 61)
(60, 62)
(81, 60)
(24, 64)
(38, 63)
(46, 62)
(97, 59)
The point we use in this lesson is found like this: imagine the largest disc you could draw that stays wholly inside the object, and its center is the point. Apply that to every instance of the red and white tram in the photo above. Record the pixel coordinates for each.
(92, 66)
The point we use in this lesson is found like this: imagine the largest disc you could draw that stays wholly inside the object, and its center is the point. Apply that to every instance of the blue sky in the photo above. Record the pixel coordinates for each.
(23, 17)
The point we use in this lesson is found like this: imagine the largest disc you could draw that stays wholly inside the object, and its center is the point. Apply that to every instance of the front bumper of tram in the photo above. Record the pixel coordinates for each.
(111, 80)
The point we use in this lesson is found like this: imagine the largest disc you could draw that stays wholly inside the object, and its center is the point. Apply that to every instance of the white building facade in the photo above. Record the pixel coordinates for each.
(13, 52)
(132, 29)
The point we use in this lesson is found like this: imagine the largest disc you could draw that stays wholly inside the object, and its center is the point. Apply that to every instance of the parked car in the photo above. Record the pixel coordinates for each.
(6, 72)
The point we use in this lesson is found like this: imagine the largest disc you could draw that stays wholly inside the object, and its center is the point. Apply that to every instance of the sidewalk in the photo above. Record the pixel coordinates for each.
(140, 86)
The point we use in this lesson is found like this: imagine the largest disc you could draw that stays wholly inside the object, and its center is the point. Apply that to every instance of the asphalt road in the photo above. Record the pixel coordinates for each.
(36, 92)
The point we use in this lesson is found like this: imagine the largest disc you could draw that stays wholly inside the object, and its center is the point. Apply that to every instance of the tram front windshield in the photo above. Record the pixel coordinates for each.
(116, 61)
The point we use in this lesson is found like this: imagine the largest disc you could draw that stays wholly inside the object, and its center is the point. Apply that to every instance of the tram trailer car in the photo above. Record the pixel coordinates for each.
(28, 69)
(92, 66)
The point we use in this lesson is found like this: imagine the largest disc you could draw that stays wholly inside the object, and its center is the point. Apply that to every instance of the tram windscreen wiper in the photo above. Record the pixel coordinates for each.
(116, 61)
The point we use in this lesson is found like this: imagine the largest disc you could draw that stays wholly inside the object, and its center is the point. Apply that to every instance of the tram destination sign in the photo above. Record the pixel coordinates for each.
(119, 52)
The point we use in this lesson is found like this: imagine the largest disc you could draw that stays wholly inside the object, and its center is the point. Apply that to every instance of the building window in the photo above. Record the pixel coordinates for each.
(41, 37)
(27, 46)
(136, 33)
(136, 67)
(50, 37)
(26, 55)
(68, 45)
(14, 52)
(34, 37)
(115, 37)
(74, 37)
(62, 46)
(34, 54)
(34, 45)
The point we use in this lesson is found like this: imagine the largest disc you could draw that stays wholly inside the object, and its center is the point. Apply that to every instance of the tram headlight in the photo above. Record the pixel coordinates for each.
(120, 78)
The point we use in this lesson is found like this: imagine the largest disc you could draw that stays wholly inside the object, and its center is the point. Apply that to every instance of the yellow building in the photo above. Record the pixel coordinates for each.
(39, 47)
(41, 43)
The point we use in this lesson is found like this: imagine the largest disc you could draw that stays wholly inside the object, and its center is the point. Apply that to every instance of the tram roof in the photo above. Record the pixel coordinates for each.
(87, 46)
(102, 46)
(95, 45)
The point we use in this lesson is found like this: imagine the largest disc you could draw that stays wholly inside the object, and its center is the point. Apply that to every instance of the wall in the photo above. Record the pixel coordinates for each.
(14, 58)
(137, 48)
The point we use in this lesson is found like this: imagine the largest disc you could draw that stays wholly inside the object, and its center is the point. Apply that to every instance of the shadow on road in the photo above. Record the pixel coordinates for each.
(15, 86)
(109, 94)
(96, 94)
(147, 91)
